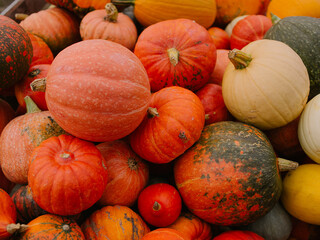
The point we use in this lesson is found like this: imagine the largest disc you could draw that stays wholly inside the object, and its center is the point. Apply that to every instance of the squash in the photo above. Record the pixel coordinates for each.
(300, 196)
(266, 85)
(308, 129)
(63, 30)
(6, 114)
(220, 67)
(8, 215)
(53, 186)
(220, 37)
(230, 26)
(306, 45)
(163, 234)
(21, 136)
(177, 52)
(149, 12)
(173, 123)
(42, 54)
(114, 223)
(230, 175)
(238, 235)
(97, 90)
(15, 52)
(110, 25)
(128, 174)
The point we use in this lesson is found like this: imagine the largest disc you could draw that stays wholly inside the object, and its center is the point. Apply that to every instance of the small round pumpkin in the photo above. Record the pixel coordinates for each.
(163, 234)
(177, 52)
(238, 235)
(220, 38)
(266, 85)
(173, 123)
(8, 215)
(42, 54)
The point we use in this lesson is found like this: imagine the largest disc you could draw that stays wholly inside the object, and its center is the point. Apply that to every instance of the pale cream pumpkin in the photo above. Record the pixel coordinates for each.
(266, 84)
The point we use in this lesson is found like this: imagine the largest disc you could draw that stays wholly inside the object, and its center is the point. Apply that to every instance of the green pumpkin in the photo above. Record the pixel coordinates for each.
(302, 34)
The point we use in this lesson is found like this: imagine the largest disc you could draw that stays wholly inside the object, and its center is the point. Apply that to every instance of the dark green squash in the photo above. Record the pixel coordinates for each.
(302, 34)
(15, 52)
(230, 175)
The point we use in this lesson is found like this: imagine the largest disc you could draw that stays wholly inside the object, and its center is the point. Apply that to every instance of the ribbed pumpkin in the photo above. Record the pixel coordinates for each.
(53, 186)
(15, 52)
(110, 25)
(8, 215)
(58, 27)
(220, 38)
(114, 223)
(149, 12)
(128, 174)
(306, 45)
(230, 175)
(6, 114)
(21, 136)
(173, 123)
(164, 234)
(183, 55)
(266, 85)
(97, 90)
(51, 226)
(42, 54)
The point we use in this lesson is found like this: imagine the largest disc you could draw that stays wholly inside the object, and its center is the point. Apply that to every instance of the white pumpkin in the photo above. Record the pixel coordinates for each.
(266, 84)
(309, 129)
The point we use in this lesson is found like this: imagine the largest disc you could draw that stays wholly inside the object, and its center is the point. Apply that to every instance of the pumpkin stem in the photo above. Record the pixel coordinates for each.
(133, 163)
(156, 206)
(112, 13)
(274, 18)
(286, 165)
(34, 73)
(173, 56)
(239, 59)
(65, 155)
(12, 228)
(31, 105)
(123, 2)
(206, 116)
(21, 16)
(66, 227)
(153, 112)
(39, 85)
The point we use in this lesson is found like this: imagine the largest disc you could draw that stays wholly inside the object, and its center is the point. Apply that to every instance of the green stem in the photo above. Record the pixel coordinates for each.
(31, 106)
(239, 59)
(112, 13)
(173, 56)
(286, 165)
(153, 112)
(274, 18)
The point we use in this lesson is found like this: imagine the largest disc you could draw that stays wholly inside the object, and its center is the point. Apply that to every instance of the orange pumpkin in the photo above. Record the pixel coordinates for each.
(42, 54)
(8, 215)
(220, 38)
(164, 234)
(220, 67)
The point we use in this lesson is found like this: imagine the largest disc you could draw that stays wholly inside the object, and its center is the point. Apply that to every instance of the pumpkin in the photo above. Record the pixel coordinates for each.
(238, 235)
(22, 88)
(53, 186)
(42, 54)
(192, 227)
(230, 26)
(230, 175)
(299, 196)
(8, 215)
(173, 123)
(59, 28)
(163, 234)
(283, 8)
(220, 67)
(149, 12)
(110, 25)
(160, 204)
(21, 136)
(306, 45)
(220, 37)
(308, 133)
(49, 226)
(249, 29)
(6, 114)
(183, 55)
(266, 85)
(16, 52)
(27, 208)
(114, 223)
(99, 111)
(128, 174)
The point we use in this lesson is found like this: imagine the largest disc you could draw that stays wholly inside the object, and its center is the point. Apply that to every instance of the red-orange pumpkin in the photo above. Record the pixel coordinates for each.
(128, 174)
(6, 114)
(42, 54)
(220, 37)
(238, 235)
(173, 123)
(8, 215)
(220, 67)
(164, 234)
(66, 175)
(176, 52)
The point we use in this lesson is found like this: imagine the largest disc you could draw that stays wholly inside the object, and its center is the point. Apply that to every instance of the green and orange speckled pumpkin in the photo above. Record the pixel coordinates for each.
(15, 52)
(230, 176)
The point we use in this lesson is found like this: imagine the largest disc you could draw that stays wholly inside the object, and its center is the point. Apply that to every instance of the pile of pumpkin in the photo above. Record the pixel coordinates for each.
(166, 120)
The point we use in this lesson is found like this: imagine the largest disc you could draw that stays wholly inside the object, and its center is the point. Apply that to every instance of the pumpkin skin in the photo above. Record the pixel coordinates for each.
(234, 172)
(270, 88)
(128, 174)
(230, 26)
(20, 137)
(63, 30)
(174, 114)
(306, 46)
(8, 214)
(169, 56)
(163, 234)
(42, 54)
(149, 12)
(220, 67)
(52, 186)
(114, 223)
(6, 114)
(249, 29)
(52, 227)
(22, 89)
(110, 25)
(220, 37)
(238, 235)
(113, 106)
(192, 227)
(16, 52)
(299, 196)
